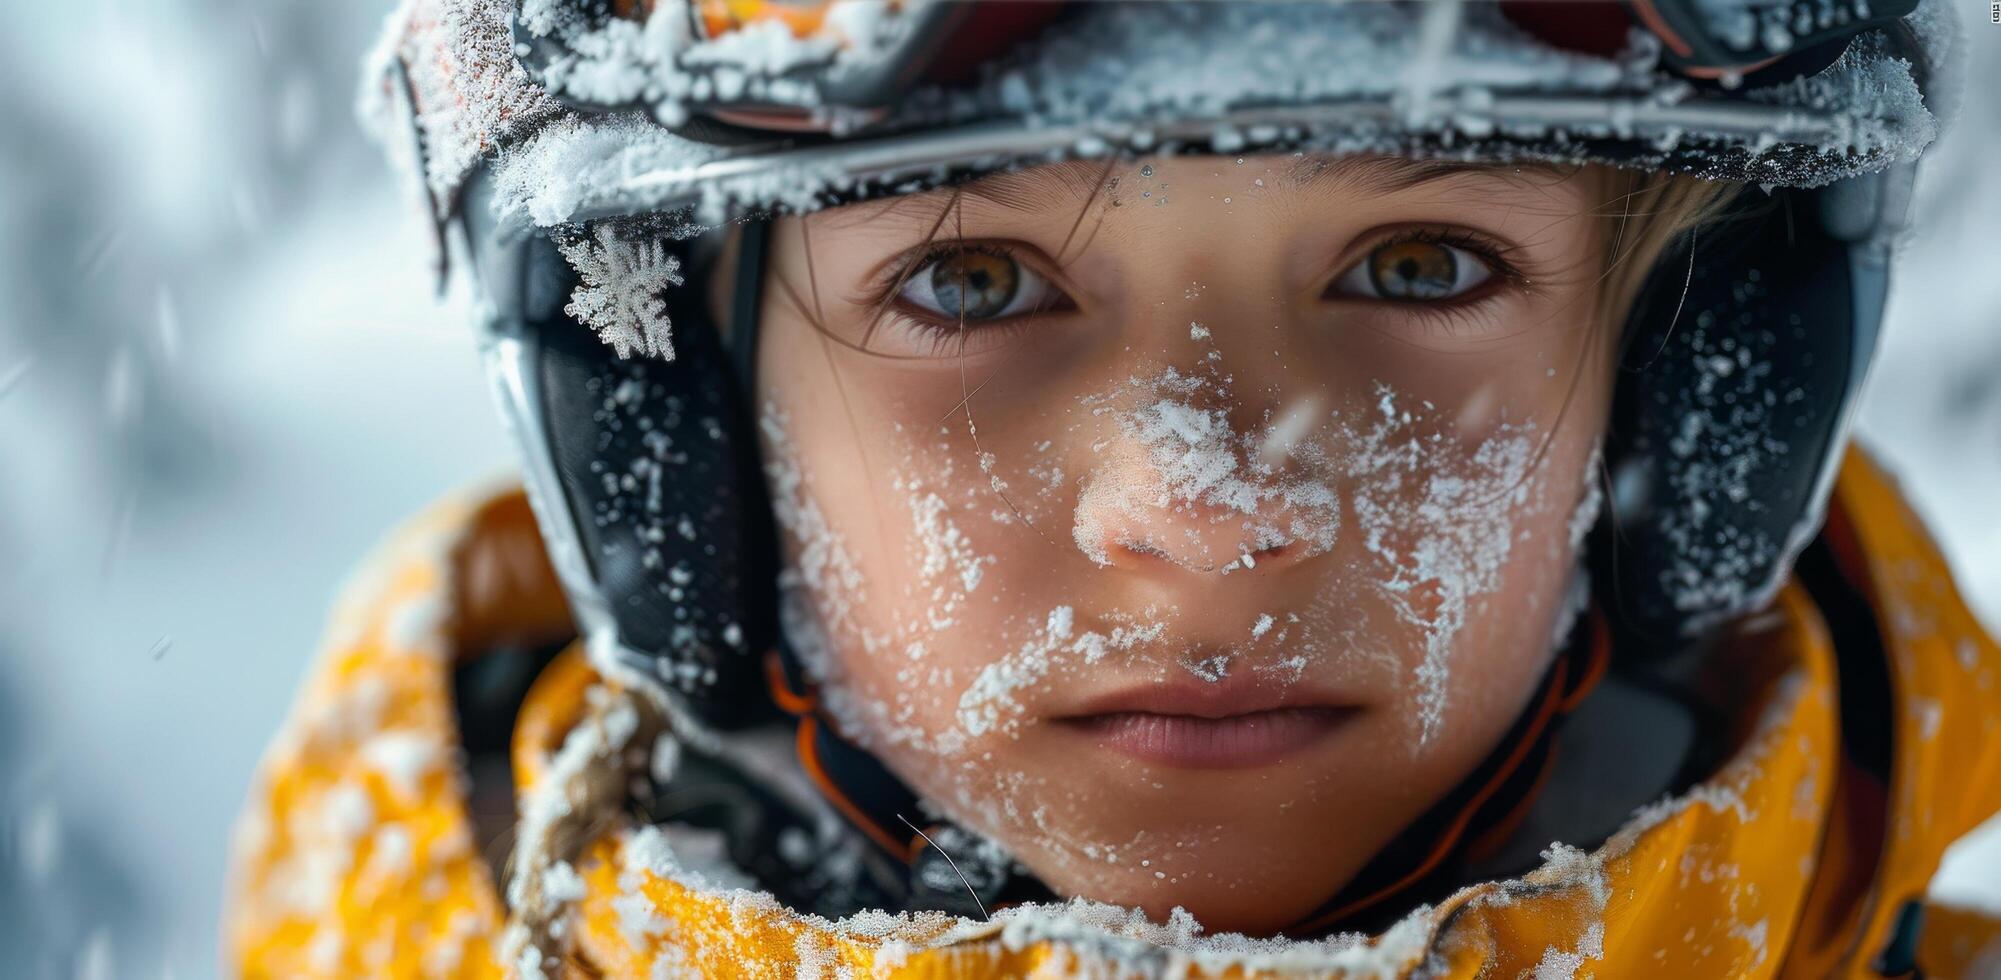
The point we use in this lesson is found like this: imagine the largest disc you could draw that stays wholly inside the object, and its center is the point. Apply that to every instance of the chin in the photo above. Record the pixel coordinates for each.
(1255, 858)
(1224, 895)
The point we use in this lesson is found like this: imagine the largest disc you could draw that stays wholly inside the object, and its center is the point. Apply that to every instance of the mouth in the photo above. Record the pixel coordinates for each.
(1213, 726)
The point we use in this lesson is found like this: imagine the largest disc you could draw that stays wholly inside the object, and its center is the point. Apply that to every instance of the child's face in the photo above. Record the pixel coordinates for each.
(1227, 532)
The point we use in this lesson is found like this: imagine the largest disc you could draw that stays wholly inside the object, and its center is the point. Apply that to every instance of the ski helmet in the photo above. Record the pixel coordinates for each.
(585, 148)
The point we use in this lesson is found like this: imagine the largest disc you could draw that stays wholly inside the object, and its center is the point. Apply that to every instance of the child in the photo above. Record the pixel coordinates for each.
(1298, 489)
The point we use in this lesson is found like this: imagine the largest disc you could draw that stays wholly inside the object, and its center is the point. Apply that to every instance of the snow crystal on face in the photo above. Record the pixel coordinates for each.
(822, 576)
(1198, 465)
(1061, 619)
(1585, 517)
(1462, 516)
(1262, 626)
(1437, 515)
(948, 563)
(988, 703)
(1295, 422)
(1577, 595)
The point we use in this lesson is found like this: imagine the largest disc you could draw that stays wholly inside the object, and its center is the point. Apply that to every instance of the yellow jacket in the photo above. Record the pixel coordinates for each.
(356, 854)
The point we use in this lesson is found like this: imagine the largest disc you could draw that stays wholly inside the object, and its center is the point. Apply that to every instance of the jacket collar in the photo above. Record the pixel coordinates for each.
(357, 836)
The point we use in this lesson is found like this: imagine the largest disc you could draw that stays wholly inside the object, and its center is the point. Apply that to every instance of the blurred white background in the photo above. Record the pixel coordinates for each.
(223, 376)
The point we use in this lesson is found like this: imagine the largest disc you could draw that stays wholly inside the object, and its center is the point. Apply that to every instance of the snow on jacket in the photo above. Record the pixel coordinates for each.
(356, 853)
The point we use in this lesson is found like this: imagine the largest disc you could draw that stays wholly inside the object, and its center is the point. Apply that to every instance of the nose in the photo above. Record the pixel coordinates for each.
(1179, 487)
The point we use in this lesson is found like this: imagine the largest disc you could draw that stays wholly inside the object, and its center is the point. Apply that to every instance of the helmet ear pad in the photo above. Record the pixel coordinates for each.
(1728, 417)
(659, 469)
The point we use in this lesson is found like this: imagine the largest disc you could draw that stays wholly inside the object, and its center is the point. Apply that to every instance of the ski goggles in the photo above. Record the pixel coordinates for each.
(730, 71)
(883, 98)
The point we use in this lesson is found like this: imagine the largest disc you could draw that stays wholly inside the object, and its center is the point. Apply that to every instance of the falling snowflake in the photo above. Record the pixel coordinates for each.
(624, 277)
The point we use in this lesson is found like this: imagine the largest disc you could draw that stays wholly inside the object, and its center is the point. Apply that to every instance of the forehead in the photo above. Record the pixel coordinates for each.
(1287, 180)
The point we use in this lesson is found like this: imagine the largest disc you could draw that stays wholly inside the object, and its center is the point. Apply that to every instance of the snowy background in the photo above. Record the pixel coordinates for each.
(223, 376)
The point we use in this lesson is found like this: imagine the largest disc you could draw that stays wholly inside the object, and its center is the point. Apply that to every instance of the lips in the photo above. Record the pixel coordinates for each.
(1229, 725)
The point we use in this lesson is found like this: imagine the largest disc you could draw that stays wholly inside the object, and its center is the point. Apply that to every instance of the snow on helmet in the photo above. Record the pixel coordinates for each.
(585, 146)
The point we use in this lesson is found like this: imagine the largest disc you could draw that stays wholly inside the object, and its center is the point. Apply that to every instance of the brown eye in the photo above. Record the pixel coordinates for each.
(1414, 270)
(975, 285)
(969, 282)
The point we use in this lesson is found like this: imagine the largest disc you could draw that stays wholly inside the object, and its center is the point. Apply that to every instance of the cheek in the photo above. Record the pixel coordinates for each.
(1477, 635)
(897, 582)
(1507, 636)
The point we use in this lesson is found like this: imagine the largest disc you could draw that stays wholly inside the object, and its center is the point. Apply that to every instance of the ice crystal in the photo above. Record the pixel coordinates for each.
(624, 276)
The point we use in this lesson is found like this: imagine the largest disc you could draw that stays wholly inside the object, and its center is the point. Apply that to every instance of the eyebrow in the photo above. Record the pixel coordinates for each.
(1034, 189)
(1388, 174)
(1027, 190)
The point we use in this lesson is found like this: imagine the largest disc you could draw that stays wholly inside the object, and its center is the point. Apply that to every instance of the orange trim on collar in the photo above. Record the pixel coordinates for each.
(809, 759)
(805, 707)
(788, 701)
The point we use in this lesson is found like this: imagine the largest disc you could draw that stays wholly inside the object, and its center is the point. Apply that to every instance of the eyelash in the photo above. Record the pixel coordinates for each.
(1448, 314)
(1493, 253)
(884, 293)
